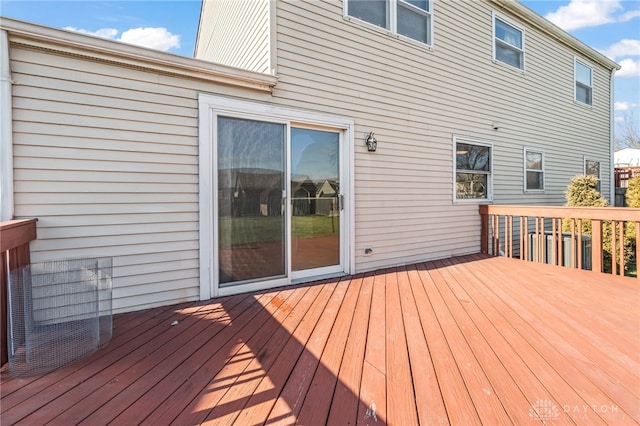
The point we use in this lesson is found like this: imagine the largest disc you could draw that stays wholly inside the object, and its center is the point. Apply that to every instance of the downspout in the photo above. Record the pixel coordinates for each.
(612, 189)
(6, 132)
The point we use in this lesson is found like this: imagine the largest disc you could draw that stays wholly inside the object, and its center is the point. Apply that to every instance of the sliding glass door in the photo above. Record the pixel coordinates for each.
(251, 214)
(315, 199)
(272, 196)
(253, 220)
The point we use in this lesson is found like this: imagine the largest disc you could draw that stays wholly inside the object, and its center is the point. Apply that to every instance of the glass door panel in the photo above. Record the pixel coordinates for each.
(251, 217)
(315, 199)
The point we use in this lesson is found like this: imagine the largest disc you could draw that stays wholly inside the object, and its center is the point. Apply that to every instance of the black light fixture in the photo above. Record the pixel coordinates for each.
(372, 143)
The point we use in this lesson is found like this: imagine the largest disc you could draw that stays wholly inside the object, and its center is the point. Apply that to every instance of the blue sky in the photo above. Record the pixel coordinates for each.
(610, 26)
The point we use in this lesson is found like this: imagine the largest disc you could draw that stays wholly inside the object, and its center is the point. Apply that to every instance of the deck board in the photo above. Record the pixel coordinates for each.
(317, 401)
(372, 407)
(216, 356)
(478, 385)
(267, 343)
(71, 385)
(344, 406)
(151, 363)
(501, 349)
(425, 381)
(457, 400)
(290, 402)
(264, 397)
(468, 340)
(540, 331)
(401, 405)
(503, 389)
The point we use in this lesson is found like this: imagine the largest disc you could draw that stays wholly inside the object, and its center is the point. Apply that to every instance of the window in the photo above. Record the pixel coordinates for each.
(592, 168)
(407, 18)
(584, 83)
(534, 170)
(375, 12)
(508, 43)
(473, 170)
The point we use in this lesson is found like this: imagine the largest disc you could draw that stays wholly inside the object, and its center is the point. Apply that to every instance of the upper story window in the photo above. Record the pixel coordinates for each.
(407, 18)
(508, 43)
(584, 83)
(473, 170)
(375, 12)
(534, 170)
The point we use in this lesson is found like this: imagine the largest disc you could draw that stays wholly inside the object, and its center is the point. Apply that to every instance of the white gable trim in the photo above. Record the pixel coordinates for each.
(6, 132)
(108, 51)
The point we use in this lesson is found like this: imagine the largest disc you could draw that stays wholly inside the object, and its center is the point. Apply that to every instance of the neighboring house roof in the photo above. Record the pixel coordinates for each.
(328, 188)
(628, 157)
(115, 52)
(304, 183)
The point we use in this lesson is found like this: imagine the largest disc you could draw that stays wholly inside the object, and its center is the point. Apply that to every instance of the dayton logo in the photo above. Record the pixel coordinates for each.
(544, 410)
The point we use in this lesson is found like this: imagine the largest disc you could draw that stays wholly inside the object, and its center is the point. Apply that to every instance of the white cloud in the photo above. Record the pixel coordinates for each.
(629, 16)
(623, 48)
(103, 32)
(590, 13)
(624, 106)
(153, 38)
(584, 13)
(629, 68)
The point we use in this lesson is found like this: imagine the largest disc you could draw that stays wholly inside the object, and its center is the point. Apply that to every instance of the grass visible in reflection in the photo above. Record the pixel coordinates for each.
(238, 231)
(314, 226)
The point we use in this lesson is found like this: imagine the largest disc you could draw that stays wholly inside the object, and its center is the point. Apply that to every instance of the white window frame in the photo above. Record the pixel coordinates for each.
(527, 170)
(472, 141)
(393, 21)
(577, 61)
(584, 170)
(209, 108)
(494, 39)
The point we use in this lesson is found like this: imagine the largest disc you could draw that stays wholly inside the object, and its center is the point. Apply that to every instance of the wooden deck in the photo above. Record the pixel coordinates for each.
(464, 341)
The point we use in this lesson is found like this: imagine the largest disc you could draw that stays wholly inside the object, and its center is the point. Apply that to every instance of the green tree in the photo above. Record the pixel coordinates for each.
(633, 192)
(583, 192)
(633, 200)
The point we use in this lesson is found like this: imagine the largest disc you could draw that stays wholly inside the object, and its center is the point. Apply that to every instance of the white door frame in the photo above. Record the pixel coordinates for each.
(210, 107)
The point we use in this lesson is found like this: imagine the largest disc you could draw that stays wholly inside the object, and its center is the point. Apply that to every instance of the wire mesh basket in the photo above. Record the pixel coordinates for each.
(60, 311)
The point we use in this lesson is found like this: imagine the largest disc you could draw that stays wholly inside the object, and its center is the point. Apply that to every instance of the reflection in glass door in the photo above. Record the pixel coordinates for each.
(315, 199)
(251, 214)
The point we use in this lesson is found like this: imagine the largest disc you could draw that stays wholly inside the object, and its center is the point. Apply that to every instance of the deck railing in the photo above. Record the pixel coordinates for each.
(622, 175)
(15, 236)
(602, 239)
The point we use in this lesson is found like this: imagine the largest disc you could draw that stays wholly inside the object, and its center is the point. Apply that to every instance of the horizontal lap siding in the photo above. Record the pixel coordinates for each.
(416, 99)
(240, 29)
(106, 158)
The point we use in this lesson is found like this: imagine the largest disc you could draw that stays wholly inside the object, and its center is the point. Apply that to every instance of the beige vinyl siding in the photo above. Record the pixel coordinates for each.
(106, 157)
(416, 100)
(236, 33)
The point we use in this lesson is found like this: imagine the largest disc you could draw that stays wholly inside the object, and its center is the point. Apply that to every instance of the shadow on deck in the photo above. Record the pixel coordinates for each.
(468, 340)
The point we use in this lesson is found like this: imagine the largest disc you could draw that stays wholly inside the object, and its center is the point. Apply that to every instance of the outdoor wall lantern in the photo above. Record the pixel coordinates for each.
(371, 142)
